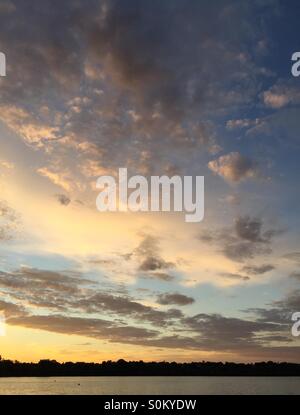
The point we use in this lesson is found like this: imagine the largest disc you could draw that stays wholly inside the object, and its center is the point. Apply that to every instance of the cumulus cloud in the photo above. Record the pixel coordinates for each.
(281, 95)
(250, 228)
(148, 253)
(234, 167)
(150, 83)
(246, 239)
(130, 82)
(33, 131)
(154, 263)
(160, 63)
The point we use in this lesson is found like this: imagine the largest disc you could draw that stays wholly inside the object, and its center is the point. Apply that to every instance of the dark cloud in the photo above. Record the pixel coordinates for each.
(240, 251)
(170, 328)
(227, 333)
(63, 199)
(35, 278)
(249, 239)
(94, 328)
(117, 305)
(70, 291)
(148, 252)
(250, 229)
(234, 167)
(175, 298)
(162, 276)
(291, 303)
(150, 49)
(151, 71)
(246, 239)
(277, 315)
(232, 276)
(154, 263)
(258, 270)
(43, 288)
(280, 311)
(11, 309)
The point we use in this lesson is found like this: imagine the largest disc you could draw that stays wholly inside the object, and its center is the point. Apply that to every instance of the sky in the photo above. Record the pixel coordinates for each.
(199, 88)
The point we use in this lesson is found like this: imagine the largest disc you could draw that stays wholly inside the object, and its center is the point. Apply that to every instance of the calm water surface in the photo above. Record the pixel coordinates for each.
(109, 385)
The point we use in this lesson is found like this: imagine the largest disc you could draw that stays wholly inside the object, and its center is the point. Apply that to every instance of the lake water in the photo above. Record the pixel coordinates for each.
(109, 385)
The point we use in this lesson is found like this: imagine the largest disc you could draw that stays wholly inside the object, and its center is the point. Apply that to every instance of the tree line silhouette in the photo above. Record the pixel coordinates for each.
(121, 367)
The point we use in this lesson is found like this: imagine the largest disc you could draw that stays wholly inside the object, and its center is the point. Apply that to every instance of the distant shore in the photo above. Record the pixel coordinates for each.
(46, 368)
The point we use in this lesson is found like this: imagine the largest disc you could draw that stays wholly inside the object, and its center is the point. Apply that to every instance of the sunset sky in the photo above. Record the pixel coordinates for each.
(161, 87)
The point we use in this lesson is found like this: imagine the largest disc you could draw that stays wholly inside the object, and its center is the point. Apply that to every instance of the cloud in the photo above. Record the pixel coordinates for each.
(94, 328)
(11, 309)
(240, 251)
(280, 125)
(117, 318)
(149, 50)
(246, 239)
(234, 167)
(9, 221)
(59, 178)
(124, 306)
(259, 269)
(148, 253)
(280, 311)
(175, 298)
(229, 333)
(27, 126)
(290, 303)
(154, 263)
(251, 229)
(162, 276)
(63, 199)
(152, 82)
(37, 283)
(292, 256)
(70, 291)
(241, 123)
(281, 95)
(232, 276)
